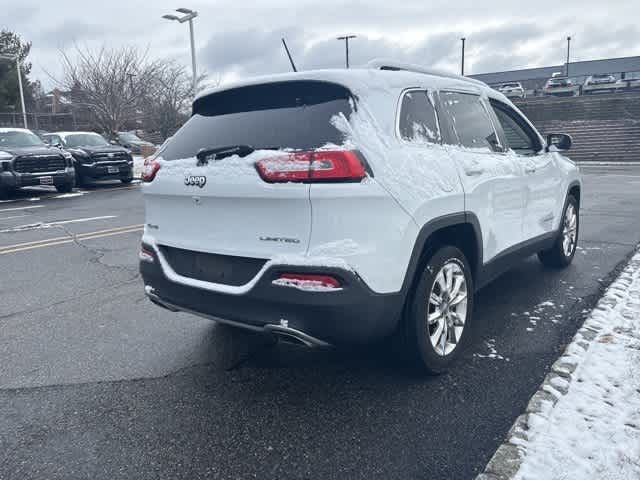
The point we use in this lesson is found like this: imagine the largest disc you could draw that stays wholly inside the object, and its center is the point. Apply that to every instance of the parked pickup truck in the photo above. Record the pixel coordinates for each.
(93, 157)
(25, 160)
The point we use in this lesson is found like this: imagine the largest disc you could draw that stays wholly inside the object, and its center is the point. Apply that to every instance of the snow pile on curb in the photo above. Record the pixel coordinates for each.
(584, 421)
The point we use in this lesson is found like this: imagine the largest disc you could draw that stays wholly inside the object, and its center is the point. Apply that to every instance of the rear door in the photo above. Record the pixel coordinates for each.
(492, 180)
(222, 205)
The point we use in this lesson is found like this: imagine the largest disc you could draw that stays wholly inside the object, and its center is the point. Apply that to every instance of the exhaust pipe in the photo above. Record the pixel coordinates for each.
(281, 330)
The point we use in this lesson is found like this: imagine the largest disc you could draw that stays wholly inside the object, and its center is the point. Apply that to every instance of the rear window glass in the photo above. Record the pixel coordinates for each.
(296, 115)
(418, 121)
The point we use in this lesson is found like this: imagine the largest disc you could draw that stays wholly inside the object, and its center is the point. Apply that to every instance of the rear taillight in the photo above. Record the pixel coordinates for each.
(308, 281)
(151, 167)
(317, 166)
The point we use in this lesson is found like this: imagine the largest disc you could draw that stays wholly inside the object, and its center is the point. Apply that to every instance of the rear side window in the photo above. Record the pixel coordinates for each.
(418, 121)
(297, 115)
(470, 121)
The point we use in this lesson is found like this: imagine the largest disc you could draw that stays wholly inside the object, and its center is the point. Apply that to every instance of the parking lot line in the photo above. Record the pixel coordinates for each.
(20, 208)
(50, 242)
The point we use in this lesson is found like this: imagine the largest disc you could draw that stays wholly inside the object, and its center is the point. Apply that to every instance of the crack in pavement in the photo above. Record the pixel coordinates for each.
(97, 254)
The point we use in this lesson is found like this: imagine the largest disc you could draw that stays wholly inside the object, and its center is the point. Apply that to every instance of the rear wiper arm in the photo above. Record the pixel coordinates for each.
(218, 153)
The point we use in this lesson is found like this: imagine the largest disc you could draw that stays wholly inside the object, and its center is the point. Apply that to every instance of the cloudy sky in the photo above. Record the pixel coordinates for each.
(236, 38)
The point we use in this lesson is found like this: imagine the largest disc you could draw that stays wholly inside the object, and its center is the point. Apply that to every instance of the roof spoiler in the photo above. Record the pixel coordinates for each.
(384, 64)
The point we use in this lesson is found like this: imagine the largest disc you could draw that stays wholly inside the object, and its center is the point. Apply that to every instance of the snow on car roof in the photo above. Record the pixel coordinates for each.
(11, 129)
(364, 80)
(65, 134)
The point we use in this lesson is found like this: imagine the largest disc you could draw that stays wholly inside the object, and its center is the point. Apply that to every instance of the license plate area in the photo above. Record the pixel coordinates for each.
(113, 170)
(46, 180)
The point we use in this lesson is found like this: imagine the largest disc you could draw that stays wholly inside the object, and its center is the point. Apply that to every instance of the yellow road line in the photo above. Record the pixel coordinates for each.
(50, 242)
(78, 236)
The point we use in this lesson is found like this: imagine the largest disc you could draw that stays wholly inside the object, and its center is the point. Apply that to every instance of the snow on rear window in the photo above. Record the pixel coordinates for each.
(284, 115)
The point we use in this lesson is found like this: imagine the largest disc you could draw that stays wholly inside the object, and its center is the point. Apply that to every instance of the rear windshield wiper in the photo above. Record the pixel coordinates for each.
(204, 155)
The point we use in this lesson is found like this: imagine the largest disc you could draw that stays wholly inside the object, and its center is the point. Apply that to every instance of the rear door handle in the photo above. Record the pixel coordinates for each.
(474, 172)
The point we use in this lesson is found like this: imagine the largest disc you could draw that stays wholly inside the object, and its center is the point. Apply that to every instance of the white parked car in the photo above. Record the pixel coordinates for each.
(600, 84)
(346, 206)
(561, 87)
(631, 81)
(512, 90)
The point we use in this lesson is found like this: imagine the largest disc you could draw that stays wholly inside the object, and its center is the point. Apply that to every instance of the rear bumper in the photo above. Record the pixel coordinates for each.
(16, 180)
(353, 314)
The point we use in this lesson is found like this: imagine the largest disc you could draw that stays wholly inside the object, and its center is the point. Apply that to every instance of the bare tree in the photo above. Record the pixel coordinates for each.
(168, 99)
(111, 84)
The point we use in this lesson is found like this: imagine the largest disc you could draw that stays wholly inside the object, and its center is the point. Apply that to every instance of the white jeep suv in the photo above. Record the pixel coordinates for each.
(344, 206)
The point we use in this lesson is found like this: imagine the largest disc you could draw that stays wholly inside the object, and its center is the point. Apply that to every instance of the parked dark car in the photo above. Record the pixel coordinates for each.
(131, 141)
(25, 160)
(94, 158)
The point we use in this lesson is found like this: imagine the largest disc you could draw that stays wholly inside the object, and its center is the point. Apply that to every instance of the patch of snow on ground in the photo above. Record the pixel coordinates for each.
(593, 431)
(138, 165)
(78, 193)
(548, 303)
(493, 353)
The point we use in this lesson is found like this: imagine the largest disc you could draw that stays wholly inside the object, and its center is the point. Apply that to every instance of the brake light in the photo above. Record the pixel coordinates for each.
(316, 166)
(308, 281)
(151, 167)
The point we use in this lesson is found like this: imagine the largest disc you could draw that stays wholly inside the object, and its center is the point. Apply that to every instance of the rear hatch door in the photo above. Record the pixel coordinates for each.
(208, 195)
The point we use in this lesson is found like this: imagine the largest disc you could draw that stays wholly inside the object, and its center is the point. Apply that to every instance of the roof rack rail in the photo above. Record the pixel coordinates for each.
(383, 64)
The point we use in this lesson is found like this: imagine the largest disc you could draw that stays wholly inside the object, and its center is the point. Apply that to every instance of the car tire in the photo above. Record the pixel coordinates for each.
(127, 180)
(65, 187)
(561, 254)
(438, 313)
(5, 193)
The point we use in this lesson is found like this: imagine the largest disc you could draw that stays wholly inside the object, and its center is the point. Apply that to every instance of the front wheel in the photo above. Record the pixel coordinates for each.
(65, 187)
(563, 250)
(439, 312)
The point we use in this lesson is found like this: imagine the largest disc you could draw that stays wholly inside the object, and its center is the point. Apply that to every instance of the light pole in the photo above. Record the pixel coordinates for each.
(17, 60)
(463, 39)
(188, 16)
(568, 51)
(346, 39)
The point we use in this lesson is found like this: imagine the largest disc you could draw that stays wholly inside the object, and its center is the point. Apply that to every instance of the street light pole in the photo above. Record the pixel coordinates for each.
(568, 52)
(463, 39)
(24, 110)
(346, 39)
(193, 55)
(188, 16)
(17, 59)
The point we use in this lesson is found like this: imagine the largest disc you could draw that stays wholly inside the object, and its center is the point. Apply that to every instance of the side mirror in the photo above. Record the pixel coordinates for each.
(113, 142)
(57, 145)
(561, 141)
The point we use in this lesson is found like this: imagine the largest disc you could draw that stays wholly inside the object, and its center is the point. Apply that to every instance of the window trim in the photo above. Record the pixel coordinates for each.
(399, 112)
(522, 122)
(482, 102)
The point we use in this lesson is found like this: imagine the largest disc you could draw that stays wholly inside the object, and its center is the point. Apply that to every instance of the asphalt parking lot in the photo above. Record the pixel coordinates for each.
(96, 382)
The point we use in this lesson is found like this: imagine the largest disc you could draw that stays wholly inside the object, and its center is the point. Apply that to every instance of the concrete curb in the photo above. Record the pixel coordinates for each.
(506, 461)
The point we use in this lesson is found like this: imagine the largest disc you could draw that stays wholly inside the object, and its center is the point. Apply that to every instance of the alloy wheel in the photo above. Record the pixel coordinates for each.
(570, 230)
(447, 309)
